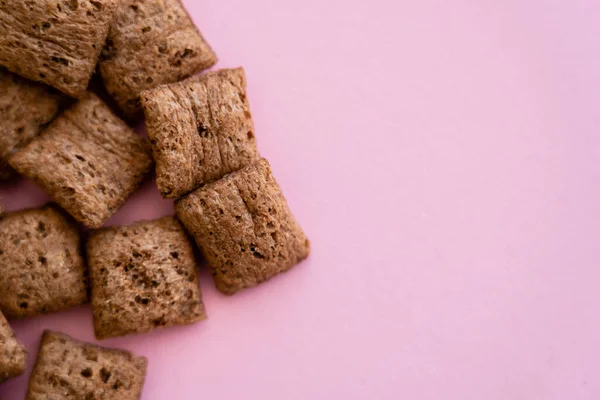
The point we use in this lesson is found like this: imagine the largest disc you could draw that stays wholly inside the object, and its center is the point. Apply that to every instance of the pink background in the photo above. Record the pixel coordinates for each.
(444, 158)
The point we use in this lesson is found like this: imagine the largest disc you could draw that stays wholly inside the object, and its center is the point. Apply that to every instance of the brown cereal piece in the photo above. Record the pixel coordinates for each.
(151, 42)
(88, 160)
(69, 369)
(25, 109)
(143, 276)
(41, 267)
(13, 355)
(244, 228)
(200, 130)
(56, 42)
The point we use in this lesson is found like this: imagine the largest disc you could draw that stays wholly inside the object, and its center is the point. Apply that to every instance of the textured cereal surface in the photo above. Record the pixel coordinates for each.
(200, 130)
(88, 160)
(41, 267)
(13, 356)
(151, 42)
(56, 42)
(143, 276)
(69, 369)
(244, 228)
(25, 109)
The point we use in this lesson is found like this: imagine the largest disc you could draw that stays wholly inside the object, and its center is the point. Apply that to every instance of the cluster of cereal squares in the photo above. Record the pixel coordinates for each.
(63, 137)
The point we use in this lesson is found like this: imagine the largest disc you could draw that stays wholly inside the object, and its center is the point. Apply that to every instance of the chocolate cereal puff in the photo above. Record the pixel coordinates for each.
(151, 42)
(13, 355)
(200, 130)
(143, 276)
(244, 228)
(88, 160)
(41, 267)
(69, 369)
(56, 42)
(25, 109)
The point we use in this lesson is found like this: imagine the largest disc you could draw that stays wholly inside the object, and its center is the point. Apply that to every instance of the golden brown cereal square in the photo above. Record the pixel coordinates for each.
(56, 42)
(244, 228)
(70, 369)
(200, 130)
(13, 355)
(150, 43)
(88, 160)
(143, 276)
(41, 266)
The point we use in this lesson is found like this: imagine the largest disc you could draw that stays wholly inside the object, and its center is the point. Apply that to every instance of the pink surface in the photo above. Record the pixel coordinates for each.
(443, 156)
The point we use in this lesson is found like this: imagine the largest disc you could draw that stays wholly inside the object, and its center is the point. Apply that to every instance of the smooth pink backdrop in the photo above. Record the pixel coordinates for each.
(444, 158)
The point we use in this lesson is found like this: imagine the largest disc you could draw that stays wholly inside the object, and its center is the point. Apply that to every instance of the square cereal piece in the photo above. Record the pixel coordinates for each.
(69, 369)
(41, 267)
(56, 42)
(143, 276)
(88, 160)
(25, 109)
(13, 355)
(244, 228)
(200, 130)
(150, 43)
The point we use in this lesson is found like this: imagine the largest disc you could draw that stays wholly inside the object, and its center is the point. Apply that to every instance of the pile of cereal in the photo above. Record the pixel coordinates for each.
(66, 139)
